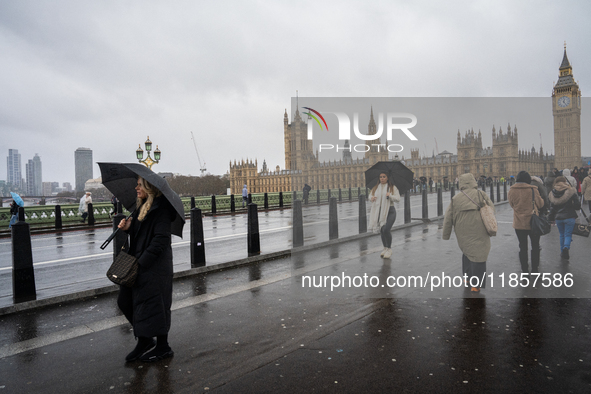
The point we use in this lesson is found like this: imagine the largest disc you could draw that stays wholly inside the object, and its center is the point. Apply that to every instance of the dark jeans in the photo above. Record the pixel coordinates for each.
(478, 270)
(522, 236)
(385, 230)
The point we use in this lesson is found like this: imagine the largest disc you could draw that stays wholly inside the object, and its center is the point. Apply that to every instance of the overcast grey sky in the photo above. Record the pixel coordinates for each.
(105, 75)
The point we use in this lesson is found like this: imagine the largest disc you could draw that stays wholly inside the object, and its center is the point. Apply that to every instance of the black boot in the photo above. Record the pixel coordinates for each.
(565, 254)
(535, 260)
(160, 352)
(143, 345)
(523, 261)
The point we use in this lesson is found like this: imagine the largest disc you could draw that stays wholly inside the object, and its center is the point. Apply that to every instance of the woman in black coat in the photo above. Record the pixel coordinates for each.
(147, 304)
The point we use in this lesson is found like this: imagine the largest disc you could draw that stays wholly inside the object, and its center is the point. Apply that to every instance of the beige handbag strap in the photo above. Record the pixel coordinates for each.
(478, 205)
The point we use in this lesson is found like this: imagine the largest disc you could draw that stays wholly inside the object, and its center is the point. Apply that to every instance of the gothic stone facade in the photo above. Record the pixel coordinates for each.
(502, 160)
(566, 108)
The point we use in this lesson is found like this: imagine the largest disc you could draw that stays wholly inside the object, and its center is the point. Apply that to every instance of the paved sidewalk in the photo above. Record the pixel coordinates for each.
(253, 329)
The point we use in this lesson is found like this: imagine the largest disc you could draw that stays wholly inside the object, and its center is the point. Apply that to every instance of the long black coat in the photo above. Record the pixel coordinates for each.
(147, 304)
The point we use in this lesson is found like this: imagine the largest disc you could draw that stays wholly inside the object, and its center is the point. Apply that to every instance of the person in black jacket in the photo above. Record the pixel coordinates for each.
(147, 304)
(564, 203)
(13, 213)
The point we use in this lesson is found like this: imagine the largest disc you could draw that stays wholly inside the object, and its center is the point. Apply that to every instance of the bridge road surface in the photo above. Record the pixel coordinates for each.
(255, 329)
(69, 262)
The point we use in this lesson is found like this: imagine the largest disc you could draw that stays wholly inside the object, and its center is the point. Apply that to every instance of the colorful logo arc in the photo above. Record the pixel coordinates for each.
(315, 118)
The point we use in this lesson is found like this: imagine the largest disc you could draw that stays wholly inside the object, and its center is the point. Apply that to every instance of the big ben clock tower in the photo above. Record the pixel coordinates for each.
(566, 108)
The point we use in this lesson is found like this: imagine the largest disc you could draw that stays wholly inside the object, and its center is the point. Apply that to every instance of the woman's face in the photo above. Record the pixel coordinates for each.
(141, 192)
(383, 178)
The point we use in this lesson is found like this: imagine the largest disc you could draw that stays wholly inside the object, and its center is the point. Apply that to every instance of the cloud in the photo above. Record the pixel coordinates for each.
(106, 75)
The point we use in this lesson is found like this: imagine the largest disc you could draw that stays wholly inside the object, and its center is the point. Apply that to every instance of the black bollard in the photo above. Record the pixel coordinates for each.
(362, 215)
(120, 240)
(266, 201)
(329, 195)
(214, 207)
(425, 206)
(58, 217)
(350, 195)
(232, 204)
(498, 192)
(192, 202)
(280, 199)
(23, 274)
(452, 192)
(317, 196)
(407, 207)
(21, 214)
(492, 193)
(340, 195)
(333, 219)
(253, 237)
(90, 215)
(197, 239)
(439, 202)
(298, 224)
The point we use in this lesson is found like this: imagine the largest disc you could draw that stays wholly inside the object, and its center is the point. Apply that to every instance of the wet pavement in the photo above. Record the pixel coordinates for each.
(69, 262)
(254, 329)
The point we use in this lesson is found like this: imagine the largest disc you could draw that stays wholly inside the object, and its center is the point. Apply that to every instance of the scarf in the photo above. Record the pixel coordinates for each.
(379, 209)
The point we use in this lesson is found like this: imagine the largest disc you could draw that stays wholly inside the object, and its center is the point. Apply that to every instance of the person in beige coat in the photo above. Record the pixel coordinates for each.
(586, 190)
(464, 217)
(520, 199)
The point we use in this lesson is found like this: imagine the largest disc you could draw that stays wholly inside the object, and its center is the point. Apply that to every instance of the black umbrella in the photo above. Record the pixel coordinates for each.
(121, 180)
(398, 174)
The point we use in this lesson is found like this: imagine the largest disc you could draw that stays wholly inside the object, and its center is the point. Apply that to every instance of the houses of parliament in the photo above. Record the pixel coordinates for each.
(503, 159)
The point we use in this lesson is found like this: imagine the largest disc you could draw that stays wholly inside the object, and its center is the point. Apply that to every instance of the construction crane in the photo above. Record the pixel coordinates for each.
(436, 147)
(201, 166)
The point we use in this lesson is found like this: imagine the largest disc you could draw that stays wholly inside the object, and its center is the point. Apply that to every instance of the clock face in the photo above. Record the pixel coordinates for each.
(563, 101)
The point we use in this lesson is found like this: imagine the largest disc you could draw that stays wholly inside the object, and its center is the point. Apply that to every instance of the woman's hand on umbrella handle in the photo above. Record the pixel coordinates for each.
(373, 198)
(125, 224)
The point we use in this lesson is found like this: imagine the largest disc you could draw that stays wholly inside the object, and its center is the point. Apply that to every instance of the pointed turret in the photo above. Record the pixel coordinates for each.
(565, 63)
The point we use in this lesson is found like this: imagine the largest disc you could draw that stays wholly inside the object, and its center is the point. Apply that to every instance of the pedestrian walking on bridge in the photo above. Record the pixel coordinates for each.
(83, 208)
(147, 304)
(244, 195)
(383, 213)
(463, 215)
(520, 198)
(564, 204)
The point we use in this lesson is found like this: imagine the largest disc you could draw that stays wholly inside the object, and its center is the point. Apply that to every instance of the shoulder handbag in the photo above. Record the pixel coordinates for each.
(580, 228)
(123, 271)
(539, 224)
(487, 214)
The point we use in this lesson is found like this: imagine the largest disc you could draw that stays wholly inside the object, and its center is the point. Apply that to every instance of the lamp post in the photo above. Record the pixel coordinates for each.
(140, 154)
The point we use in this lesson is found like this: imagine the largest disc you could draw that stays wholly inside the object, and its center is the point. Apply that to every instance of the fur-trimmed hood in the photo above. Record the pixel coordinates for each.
(561, 194)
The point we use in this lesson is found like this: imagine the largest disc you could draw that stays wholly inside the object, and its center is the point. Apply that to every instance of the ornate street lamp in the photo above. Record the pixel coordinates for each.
(140, 154)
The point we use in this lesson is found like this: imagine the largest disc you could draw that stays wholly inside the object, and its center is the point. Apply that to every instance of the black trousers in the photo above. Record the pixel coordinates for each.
(385, 231)
(474, 269)
(522, 236)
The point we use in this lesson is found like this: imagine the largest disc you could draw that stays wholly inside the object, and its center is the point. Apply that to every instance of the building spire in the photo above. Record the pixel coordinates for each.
(565, 63)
